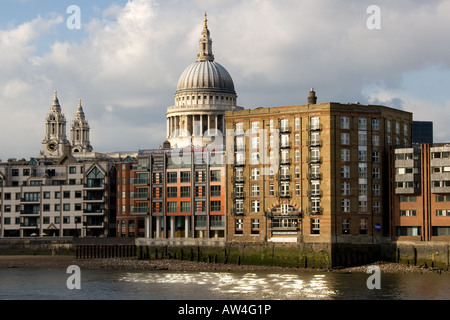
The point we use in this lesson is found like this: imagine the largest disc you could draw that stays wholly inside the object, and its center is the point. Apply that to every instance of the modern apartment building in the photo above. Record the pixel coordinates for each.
(173, 193)
(311, 173)
(421, 193)
(65, 197)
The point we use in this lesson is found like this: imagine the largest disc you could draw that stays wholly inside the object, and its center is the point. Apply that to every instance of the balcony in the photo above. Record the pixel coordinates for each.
(238, 211)
(285, 129)
(94, 211)
(285, 177)
(237, 180)
(314, 159)
(139, 181)
(30, 200)
(284, 194)
(29, 224)
(238, 163)
(315, 127)
(285, 145)
(314, 193)
(314, 176)
(94, 185)
(314, 143)
(94, 199)
(314, 211)
(238, 195)
(141, 196)
(285, 161)
(30, 212)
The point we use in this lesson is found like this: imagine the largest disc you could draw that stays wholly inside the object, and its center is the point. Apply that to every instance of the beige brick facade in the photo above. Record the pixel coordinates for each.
(328, 184)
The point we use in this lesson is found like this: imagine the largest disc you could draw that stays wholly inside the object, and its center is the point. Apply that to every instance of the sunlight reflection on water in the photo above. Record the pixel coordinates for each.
(246, 285)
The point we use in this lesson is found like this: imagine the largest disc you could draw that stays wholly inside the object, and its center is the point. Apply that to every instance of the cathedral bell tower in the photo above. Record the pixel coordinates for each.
(55, 131)
(79, 132)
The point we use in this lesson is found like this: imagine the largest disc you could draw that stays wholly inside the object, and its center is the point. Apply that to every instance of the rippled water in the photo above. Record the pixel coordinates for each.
(156, 285)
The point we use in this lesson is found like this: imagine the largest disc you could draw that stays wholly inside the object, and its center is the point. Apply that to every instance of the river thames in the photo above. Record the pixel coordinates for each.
(112, 284)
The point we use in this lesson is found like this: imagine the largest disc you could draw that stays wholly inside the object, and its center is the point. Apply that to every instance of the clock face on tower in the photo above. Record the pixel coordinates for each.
(51, 146)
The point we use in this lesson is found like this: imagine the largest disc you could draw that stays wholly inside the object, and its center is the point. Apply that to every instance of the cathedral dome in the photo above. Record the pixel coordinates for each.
(205, 75)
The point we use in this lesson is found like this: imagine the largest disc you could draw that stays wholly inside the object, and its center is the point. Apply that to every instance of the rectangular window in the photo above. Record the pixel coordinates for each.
(376, 190)
(345, 171)
(345, 123)
(215, 191)
(255, 206)
(375, 124)
(216, 206)
(255, 226)
(345, 155)
(375, 156)
(297, 124)
(362, 123)
(315, 226)
(345, 226)
(239, 226)
(171, 192)
(362, 206)
(171, 177)
(407, 213)
(375, 140)
(363, 226)
(297, 140)
(185, 206)
(172, 207)
(255, 174)
(186, 192)
(185, 176)
(345, 188)
(376, 207)
(442, 213)
(375, 173)
(255, 190)
(284, 125)
(271, 190)
(345, 138)
(345, 205)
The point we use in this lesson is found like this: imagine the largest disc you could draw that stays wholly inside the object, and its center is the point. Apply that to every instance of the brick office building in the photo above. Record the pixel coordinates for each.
(311, 173)
(420, 196)
(173, 193)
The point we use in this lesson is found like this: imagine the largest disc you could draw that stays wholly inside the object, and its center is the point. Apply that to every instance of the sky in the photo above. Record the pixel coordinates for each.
(125, 59)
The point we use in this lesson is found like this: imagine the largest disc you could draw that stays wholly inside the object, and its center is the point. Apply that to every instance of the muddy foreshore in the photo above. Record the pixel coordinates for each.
(61, 261)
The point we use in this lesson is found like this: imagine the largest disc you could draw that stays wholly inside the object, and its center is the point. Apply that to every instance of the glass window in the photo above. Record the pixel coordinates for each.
(345, 123)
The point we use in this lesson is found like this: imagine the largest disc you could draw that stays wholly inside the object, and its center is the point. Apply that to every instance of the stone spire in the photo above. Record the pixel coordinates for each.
(79, 132)
(205, 44)
(55, 130)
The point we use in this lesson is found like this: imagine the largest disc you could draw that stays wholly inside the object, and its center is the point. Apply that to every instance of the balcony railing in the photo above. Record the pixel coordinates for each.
(284, 194)
(314, 211)
(238, 195)
(314, 176)
(314, 143)
(238, 211)
(285, 129)
(314, 159)
(94, 185)
(315, 127)
(285, 177)
(314, 193)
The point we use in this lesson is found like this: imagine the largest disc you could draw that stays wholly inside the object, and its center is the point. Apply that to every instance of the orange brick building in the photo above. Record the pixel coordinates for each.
(420, 192)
